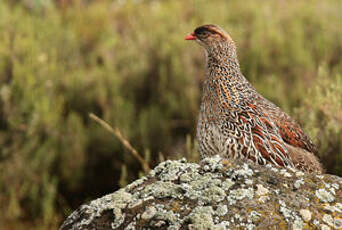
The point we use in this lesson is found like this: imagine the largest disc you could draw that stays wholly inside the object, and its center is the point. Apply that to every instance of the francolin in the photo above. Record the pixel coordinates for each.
(235, 121)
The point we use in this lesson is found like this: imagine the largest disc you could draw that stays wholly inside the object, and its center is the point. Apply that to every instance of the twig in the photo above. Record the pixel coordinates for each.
(123, 140)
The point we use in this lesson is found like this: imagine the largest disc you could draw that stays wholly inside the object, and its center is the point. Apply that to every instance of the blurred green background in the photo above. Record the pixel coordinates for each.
(127, 62)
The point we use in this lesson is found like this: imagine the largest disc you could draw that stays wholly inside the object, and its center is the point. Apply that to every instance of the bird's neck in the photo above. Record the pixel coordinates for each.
(224, 78)
(222, 62)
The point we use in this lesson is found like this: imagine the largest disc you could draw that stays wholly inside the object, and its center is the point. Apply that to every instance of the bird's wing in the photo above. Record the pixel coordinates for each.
(265, 138)
(289, 130)
(286, 141)
(292, 134)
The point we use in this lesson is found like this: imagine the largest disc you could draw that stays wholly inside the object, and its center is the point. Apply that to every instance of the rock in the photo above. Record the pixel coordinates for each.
(217, 194)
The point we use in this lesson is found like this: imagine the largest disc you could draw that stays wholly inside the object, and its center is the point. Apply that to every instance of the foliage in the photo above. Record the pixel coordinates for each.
(322, 111)
(127, 62)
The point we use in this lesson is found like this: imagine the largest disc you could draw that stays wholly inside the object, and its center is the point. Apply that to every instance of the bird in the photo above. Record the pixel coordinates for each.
(237, 122)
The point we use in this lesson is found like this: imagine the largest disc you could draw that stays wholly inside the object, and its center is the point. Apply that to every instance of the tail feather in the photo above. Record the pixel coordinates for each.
(304, 160)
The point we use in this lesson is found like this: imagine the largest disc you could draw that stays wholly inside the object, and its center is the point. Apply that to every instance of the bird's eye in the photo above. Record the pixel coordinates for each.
(201, 32)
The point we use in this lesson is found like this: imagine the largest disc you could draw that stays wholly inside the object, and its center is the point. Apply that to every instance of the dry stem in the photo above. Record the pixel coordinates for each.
(123, 140)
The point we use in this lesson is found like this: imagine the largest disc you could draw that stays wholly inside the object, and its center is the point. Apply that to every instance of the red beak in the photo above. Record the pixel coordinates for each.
(191, 36)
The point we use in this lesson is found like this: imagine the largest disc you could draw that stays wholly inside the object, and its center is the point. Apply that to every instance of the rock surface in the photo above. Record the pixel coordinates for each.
(217, 194)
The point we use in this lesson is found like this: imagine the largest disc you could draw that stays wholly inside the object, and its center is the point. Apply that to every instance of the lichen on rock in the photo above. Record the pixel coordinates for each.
(217, 194)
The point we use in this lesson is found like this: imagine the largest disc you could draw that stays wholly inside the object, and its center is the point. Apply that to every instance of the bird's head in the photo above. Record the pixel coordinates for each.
(212, 38)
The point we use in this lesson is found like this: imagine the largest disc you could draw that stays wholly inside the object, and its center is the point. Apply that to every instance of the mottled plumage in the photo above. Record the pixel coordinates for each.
(235, 121)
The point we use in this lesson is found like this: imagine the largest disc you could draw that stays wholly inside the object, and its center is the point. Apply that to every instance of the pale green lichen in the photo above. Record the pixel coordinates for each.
(241, 193)
(130, 226)
(332, 208)
(249, 182)
(337, 223)
(221, 210)
(244, 172)
(297, 223)
(250, 226)
(255, 216)
(335, 185)
(135, 184)
(328, 219)
(316, 222)
(120, 198)
(298, 183)
(212, 164)
(135, 203)
(287, 213)
(305, 214)
(174, 227)
(224, 225)
(261, 190)
(214, 193)
(226, 184)
(299, 174)
(263, 199)
(338, 206)
(119, 217)
(321, 177)
(324, 195)
(161, 189)
(285, 173)
(205, 181)
(204, 189)
(290, 216)
(201, 218)
(168, 215)
(158, 223)
(149, 213)
(170, 170)
(189, 176)
(175, 169)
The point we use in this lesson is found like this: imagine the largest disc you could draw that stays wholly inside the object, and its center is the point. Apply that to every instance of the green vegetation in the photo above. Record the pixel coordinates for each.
(128, 63)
